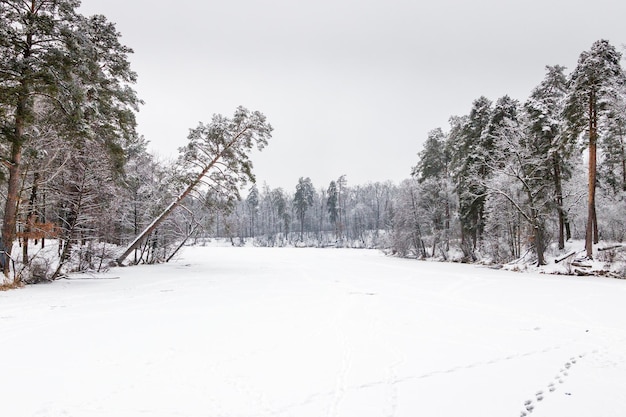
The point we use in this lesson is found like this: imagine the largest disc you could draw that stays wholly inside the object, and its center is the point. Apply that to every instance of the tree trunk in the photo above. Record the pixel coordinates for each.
(191, 232)
(30, 217)
(596, 234)
(591, 206)
(418, 243)
(152, 226)
(539, 243)
(623, 159)
(13, 186)
(22, 110)
(561, 230)
(71, 221)
(559, 199)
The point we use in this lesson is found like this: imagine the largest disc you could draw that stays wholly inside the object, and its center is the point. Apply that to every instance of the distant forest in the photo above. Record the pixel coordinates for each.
(510, 179)
(507, 180)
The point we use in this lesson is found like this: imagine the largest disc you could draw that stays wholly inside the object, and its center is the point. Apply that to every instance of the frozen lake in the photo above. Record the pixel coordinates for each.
(313, 333)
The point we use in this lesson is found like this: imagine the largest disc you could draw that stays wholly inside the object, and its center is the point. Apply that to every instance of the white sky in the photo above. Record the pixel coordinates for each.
(351, 86)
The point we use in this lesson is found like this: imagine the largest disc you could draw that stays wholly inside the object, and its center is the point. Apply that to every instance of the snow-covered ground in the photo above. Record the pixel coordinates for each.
(313, 332)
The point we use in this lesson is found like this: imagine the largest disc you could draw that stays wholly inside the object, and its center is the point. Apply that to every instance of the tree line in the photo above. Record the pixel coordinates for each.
(506, 180)
(338, 215)
(79, 185)
(520, 173)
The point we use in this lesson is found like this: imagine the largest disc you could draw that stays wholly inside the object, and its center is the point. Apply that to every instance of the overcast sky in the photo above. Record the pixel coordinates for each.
(351, 86)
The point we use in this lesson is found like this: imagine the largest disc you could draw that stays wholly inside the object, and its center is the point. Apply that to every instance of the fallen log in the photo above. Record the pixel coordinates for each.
(562, 258)
(611, 247)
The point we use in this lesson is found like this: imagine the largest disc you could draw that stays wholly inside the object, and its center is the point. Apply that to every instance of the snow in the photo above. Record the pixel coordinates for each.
(250, 331)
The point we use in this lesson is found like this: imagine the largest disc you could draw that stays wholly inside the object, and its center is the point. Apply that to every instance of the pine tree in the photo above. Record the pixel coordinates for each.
(216, 157)
(303, 199)
(544, 109)
(332, 204)
(252, 201)
(54, 60)
(31, 43)
(433, 175)
(612, 170)
(470, 151)
(434, 158)
(594, 88)
(279, 204)
(146, 187)
(342, 197)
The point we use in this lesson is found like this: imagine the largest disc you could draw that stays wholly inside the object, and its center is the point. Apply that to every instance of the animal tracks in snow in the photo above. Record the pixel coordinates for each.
(560, 377)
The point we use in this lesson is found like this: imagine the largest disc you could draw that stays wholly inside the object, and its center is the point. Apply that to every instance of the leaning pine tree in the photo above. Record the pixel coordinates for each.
(217, 156)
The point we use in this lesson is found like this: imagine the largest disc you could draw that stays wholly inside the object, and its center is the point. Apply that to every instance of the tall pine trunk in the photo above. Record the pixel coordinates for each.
(12, 200)
(13, 184)
(591, 232)
(169, 209)
(22, 111)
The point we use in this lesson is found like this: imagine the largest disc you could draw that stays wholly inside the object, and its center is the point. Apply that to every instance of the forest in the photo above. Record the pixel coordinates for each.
(511, 179)
(508, 181)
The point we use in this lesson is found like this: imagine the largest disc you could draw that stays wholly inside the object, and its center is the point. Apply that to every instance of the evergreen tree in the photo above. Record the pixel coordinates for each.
(252, 201)
(147, 190)
(303, 199)
(433, 175)
(544, 110)
(279, 204)
(54, 60)
(594, 87)
(612, 170)
(216, 157)
(332, 204)
(434, 158)
(31, 52)
(342, 197)
(471, 148)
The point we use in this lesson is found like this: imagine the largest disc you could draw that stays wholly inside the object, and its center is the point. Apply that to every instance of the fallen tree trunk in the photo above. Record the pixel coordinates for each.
(564, 257)
(611, 247)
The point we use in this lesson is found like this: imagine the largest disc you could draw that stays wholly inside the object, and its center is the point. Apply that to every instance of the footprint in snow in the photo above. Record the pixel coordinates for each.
(529, 405)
